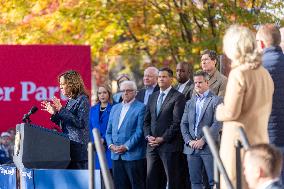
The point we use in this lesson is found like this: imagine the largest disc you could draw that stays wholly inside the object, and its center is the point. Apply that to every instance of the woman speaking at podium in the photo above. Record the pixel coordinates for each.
(73, 118)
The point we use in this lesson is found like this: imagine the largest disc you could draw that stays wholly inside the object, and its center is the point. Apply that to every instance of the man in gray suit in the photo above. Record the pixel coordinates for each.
(262, 167)
(217, 81)
(199, 112)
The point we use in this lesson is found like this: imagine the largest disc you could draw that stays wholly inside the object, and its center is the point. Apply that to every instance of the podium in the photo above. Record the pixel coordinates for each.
(40, 148)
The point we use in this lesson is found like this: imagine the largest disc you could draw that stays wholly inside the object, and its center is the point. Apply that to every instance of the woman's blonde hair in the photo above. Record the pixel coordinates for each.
(240, 46)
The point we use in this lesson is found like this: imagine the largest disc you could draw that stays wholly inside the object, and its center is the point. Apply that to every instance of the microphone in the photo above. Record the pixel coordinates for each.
(27, 116)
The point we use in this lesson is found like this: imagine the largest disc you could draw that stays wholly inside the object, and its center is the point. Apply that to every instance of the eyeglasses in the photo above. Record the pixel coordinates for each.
(127, 91)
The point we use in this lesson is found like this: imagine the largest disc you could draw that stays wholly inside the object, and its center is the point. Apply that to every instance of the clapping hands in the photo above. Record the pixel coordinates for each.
(51, 107)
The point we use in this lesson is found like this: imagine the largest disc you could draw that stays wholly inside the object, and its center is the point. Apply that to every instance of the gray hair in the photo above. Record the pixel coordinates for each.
(132, 84)
(154, 69)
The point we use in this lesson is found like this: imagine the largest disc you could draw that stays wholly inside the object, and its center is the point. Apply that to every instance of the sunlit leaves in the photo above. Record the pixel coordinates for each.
(164, 31)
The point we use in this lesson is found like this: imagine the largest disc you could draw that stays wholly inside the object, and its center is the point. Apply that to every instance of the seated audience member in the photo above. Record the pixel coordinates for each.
(262, 167)
(12, 132)
(4, 148)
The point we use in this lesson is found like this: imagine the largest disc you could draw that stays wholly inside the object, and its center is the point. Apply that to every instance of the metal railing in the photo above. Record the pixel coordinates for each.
(217, 159)
(242, 142)
(108, 182)
(218, 165)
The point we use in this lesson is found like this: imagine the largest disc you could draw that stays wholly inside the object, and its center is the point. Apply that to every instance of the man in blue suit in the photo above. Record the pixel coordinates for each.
(262, 167)
(125, 139)
(199, 112)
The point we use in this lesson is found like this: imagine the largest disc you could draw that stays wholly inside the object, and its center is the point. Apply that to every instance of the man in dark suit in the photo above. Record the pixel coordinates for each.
(125, 139)
(186, 87)
(199, 112)
(262, 167)
(162, 131)
(185, 83)
(150, 80)
(268, 40)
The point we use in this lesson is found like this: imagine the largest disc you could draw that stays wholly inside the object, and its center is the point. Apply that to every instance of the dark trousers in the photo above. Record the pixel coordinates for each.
(129, 174)
(78, 165)
(184, 173)
(195, 165)
(163, 168)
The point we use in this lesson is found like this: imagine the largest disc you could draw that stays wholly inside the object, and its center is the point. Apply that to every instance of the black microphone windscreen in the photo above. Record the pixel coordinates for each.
(34, 109)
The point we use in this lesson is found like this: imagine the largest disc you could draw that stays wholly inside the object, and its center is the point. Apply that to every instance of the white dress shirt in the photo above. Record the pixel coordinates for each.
(182, 86)
(165, 92)
(124, 110)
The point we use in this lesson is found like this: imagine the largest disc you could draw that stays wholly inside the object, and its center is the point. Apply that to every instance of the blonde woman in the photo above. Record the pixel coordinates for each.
(248, 97)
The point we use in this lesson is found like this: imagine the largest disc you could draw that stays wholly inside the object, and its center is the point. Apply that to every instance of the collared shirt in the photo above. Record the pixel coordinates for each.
(124, 110)
(211, 76)
(165, 92)
(149, 90)
(198, 107)
(182, 86)
(267, 183)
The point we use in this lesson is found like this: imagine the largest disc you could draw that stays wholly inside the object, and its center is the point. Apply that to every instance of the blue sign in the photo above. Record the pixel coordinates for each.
(7, 177)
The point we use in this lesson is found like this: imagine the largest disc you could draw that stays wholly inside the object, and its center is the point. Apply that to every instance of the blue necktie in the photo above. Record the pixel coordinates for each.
(160, 102)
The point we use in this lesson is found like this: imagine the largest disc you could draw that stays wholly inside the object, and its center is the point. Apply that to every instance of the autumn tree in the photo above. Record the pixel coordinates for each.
(128, 35)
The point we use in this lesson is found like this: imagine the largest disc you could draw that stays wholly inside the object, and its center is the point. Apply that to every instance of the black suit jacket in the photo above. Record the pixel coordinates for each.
(141, 93)
(188, 90)
(167, 123)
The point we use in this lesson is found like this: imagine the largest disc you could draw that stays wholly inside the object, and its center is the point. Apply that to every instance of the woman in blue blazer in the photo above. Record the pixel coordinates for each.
(99, 116)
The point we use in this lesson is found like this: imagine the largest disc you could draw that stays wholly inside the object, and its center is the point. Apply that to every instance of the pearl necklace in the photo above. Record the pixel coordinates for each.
(102, 109)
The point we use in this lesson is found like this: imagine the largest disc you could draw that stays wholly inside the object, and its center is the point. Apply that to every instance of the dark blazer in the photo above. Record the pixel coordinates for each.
(207, 118)
(167, 123)
(74, 121)
(273, 61)
(188, 90)
(130, 132)
(101, 124)
(141, 93)
(275, 185)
